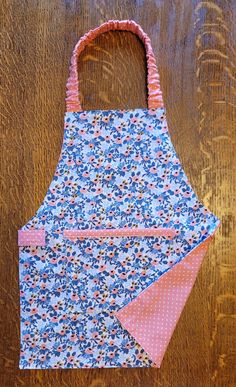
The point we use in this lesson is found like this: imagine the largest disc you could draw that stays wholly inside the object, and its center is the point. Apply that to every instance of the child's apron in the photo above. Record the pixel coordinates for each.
(110, 257)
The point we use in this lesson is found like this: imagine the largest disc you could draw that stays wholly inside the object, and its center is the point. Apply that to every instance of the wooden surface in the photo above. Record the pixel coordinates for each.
(194, 42)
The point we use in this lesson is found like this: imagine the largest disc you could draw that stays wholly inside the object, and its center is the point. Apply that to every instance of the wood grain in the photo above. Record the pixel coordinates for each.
(194, 42)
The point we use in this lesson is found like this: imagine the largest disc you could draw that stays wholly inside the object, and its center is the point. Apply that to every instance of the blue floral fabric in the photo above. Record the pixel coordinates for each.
(116, 169)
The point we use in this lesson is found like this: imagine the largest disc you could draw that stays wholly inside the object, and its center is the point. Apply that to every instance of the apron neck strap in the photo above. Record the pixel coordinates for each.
(153, 84)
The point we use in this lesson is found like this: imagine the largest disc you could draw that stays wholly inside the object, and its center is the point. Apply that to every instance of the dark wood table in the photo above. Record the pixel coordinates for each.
(194, 43)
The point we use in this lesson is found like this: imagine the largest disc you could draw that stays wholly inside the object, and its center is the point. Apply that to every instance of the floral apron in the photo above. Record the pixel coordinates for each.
(111, 255)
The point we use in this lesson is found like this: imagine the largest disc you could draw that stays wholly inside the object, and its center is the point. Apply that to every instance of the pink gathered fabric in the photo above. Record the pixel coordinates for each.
(152, 316)
(169, 233)
(31, 237)
(153, 83)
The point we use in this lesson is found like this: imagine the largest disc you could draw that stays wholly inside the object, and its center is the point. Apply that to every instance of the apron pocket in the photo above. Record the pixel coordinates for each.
(108, 268)
(104, 273)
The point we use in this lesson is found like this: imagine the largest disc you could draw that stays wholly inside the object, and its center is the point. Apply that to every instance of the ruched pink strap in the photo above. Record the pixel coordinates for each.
(153, 83)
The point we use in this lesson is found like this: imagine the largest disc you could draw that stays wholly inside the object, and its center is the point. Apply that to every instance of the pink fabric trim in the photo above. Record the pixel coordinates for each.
(152, 316)
(31, 237)
(120, 232)
(153, 83)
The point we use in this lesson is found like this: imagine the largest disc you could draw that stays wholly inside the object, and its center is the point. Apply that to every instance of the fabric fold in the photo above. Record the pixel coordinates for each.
(152, 316)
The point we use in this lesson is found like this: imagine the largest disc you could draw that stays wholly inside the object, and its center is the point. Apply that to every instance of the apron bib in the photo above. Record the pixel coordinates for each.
(111, 255)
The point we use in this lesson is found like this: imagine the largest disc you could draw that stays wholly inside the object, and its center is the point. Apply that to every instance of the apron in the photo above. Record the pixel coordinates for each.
(109, 259)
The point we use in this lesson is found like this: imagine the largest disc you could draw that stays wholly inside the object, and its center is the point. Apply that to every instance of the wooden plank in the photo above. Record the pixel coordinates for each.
(194, 42)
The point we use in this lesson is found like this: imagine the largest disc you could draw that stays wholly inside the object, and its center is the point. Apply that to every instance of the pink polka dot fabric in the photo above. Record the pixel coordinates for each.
(152, 316)
(168, 233)
(31, 238)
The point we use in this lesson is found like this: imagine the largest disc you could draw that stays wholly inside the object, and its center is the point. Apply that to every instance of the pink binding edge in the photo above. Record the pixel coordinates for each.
(153, 82)
(169, 233)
